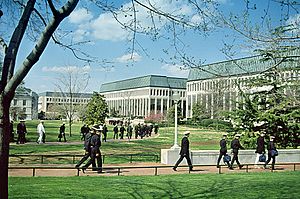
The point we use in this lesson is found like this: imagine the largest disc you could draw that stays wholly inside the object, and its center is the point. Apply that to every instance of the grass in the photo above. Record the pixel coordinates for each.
(199, 139)
(242, 185)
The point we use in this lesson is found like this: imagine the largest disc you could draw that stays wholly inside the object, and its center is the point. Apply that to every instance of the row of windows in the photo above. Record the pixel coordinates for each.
(24, 102)
(76, 100)
(230, 83)
(164, 92)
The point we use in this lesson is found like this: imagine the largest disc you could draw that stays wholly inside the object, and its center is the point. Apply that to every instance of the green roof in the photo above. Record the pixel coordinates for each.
(145, 81)
(243, 66)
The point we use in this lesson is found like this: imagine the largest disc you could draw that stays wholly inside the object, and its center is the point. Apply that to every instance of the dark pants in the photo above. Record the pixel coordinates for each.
(115, 135)
(235, 158)
(188, 159)
(269, 159)
(62, 135)
(104, 137)
(84, 158)
(220, 157)
(95, 158)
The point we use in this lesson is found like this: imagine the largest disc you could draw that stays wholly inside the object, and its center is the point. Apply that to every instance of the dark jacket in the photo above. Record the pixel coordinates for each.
(87, 140)
(271, 146)
(21, 128)
(223, 146)
(260, 145)
(95, 141)
(235, 145)
(116, 130)
(185, 145)
(105, 130)
(62, 129)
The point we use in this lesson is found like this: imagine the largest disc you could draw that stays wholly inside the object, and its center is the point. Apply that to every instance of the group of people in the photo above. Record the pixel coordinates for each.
(235, 147)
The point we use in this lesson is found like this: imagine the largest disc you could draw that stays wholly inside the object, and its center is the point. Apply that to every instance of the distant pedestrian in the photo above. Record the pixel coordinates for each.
(272, 152)
(116, 131)
(62, 132)
(223, 150)
(137, 129)
(122, 130)
(156, 128)
(184, 152)
(21, 131)
(104, 131)
(235, 146)
(41, 132)
(129, 131)
(260, 148)
(84, 130)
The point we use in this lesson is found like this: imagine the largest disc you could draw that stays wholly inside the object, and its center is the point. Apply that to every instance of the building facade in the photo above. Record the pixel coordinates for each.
(143, 96)
(216, 86)
(49, 102)
(24, 105)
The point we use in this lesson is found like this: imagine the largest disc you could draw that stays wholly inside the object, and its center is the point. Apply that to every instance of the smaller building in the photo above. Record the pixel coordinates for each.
(143, 96)
(24, 105)
(51, 102)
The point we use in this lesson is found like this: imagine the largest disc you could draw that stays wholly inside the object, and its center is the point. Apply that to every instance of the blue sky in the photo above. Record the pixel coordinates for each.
(109, 42)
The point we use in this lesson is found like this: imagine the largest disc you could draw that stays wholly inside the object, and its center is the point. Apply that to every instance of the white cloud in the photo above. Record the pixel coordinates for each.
(176, 70)
(294, 22)
(129, 57)
(64, 69)
(106, 27)
(80, 16)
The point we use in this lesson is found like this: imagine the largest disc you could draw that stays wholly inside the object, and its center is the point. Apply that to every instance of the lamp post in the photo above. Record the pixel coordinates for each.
(176, 98)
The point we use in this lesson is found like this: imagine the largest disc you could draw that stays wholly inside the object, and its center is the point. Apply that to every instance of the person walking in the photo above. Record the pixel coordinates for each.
(41, 132)
(184, 152)
(235, 146)
(83, 131)
(116, 131)
(223, 150)
(122, 130)
(62, 132)
(129, 131)
(87, 149)
(260, 148)
(271, 155)
(95, 144)
(21, 131)
(104, 131)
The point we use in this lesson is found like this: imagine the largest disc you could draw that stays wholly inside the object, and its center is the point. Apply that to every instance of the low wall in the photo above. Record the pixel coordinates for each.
(209, 157)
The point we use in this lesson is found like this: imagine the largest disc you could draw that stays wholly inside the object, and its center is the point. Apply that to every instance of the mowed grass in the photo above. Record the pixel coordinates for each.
(199, 139)
(243, 185)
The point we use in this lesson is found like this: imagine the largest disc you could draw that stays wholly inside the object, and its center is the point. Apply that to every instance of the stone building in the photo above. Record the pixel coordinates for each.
(143, 96)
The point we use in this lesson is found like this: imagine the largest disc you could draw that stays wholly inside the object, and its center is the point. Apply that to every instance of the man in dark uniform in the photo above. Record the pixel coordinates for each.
(223, 150)
(235, 146)
(271, 146)
(83, 131)
(62, 132)
(95, 144)
(184, 152)
(129, 132)
(260, 148)
(104, 131)
(21, 131)
(156, 128)
(116, 131)
(122, 130)
(87, 148)
(137, 129)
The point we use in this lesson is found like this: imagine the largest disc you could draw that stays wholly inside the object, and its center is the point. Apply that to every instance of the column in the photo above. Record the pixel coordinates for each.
(155, 106)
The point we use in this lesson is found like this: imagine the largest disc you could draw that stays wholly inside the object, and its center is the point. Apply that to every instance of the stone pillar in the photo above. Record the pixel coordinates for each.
(155, 106)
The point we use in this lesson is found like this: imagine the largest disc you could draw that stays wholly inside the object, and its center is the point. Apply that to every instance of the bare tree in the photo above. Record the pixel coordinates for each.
(71, 84)
(10, 78)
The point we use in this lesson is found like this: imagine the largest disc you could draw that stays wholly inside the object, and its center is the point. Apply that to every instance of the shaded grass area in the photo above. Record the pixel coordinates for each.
(251, 185)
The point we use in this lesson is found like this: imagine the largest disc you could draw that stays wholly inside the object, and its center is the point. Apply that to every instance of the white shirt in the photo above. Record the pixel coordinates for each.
(40, 129)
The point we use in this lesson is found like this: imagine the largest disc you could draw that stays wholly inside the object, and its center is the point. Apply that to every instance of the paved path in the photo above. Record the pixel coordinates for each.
(141, 171)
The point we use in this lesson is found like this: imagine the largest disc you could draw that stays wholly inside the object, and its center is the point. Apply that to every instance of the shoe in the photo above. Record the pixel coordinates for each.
(241, 166)
(174, 169)
(230, 168)
(218, 166)
(100, 172)
(83, 170)
(191, 169)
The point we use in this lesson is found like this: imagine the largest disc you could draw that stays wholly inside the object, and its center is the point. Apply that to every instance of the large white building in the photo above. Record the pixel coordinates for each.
(215, 85)
(143, 96)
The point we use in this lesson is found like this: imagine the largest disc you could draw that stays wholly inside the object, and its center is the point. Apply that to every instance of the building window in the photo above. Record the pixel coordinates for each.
(24, 102)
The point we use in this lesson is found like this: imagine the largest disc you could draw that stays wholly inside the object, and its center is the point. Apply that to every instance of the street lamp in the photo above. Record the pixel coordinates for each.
(176, 98)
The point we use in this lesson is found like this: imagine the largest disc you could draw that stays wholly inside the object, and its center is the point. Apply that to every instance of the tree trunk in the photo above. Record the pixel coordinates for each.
(4, 142)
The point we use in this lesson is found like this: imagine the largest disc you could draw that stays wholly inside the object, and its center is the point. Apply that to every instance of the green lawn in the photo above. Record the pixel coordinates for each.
(242, 185)
(199, 139)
